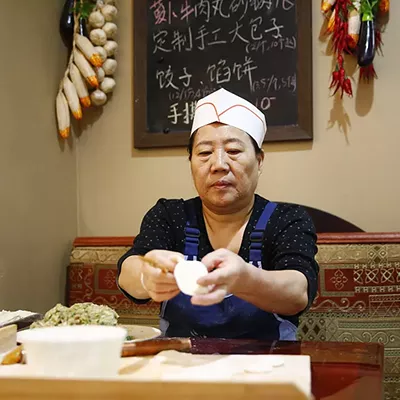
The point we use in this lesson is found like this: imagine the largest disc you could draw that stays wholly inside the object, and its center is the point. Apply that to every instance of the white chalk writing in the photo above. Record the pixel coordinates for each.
(185, 78)
(197, 46)
(201, 37)
(215, 40)
(182, 40)
(263, 46)
(275, 84)
(159, 41)
(259, 36)
(217, 6)
(276, 29)
(254, 25)
(203, 8)
(222, 72)
(237, 4)
(264, 103)
(190, 94)
(287, 5)
(235, 33)
(219, 72)
(165, 79)
(186, 10)
(174, 113)
(185, 113)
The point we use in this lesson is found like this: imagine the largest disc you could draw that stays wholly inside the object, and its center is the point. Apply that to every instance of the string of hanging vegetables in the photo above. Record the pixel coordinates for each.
(356, 29)
(88, 29)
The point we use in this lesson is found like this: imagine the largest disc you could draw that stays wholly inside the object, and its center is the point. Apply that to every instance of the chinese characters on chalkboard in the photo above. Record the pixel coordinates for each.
(195, 47)
(184, 50)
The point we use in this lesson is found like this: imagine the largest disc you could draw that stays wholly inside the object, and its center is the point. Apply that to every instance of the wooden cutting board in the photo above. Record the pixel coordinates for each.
(171, 365)
(284, 374)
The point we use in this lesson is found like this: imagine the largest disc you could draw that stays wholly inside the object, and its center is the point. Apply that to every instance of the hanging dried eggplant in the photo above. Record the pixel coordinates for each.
(366, 42)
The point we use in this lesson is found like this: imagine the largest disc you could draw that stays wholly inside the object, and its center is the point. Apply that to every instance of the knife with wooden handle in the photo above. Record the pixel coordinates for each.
(155, 346)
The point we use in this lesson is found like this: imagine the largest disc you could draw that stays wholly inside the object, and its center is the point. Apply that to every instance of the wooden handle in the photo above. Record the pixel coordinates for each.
(154, 346)
(153, 264)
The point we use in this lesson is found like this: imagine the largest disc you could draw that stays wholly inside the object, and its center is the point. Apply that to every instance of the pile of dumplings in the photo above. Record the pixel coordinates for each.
(89, 79)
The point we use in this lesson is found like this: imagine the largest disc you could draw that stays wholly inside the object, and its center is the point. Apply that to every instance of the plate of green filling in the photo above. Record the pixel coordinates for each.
(93, 314)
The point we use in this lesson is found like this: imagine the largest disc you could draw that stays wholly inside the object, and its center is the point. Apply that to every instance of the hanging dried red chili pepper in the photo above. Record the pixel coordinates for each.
(384, 6)
(356, 29)
(342, 42)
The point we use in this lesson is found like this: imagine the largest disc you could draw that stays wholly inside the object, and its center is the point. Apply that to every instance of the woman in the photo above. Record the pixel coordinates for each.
(260, 254)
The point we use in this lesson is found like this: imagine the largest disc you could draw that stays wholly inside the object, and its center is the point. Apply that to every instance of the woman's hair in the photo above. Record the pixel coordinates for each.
(191, 141)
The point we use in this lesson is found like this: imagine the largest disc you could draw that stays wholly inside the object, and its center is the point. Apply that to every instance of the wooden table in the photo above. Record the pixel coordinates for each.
(340, 371)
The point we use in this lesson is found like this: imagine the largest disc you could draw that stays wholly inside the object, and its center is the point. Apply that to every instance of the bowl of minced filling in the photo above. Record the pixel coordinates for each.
(79, 340)
(93, 314)
(78, 314)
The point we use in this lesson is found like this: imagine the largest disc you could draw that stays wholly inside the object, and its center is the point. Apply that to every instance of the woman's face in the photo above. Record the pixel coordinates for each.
(225, 167)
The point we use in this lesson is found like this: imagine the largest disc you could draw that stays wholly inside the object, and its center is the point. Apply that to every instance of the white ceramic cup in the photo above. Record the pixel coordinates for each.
(88, 351)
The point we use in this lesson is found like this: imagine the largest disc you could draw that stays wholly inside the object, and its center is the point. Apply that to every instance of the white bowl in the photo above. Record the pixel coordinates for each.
(89, 351)
(141, 333)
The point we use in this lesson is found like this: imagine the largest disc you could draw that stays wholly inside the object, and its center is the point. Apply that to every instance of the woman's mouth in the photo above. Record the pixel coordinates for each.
(221, 184)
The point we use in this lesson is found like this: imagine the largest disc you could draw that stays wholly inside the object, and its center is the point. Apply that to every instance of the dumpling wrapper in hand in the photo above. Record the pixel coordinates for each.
(187, 273)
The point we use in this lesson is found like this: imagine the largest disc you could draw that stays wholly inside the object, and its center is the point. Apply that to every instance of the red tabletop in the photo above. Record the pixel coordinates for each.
(339, 371)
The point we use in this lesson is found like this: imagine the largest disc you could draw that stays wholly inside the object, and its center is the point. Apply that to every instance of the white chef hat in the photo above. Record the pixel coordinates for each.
(229, 109)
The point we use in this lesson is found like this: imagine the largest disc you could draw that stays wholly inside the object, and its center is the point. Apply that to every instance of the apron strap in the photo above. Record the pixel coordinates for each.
(192, 233)
(257, 236)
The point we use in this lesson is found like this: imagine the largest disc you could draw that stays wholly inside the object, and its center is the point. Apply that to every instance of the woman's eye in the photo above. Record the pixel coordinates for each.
(233, 151)
(204, 153)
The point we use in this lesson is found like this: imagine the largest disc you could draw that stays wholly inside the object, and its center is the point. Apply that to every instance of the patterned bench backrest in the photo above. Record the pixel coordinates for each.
(358, 297)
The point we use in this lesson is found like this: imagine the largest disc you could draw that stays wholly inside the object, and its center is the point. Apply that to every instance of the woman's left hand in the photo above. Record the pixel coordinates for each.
(227, 275)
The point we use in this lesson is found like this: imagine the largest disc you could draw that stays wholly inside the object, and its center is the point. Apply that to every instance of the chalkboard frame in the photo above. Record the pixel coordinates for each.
(302, 131)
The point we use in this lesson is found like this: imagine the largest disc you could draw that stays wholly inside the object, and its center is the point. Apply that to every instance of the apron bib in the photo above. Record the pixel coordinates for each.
(233, 317)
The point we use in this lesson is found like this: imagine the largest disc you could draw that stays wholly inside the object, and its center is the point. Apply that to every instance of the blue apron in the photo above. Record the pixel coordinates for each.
(233, 317)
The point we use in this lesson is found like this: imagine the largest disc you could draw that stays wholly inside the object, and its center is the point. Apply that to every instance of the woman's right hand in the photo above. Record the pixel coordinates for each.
(160, 285)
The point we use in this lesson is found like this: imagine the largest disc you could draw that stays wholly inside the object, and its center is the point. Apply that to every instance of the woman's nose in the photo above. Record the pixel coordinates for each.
(219, 161)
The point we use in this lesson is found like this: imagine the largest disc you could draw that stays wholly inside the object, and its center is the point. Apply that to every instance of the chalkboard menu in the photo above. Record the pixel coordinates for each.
(187, 49)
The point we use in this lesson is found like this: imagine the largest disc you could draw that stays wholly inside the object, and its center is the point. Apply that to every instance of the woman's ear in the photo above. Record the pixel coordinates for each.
(260, 160)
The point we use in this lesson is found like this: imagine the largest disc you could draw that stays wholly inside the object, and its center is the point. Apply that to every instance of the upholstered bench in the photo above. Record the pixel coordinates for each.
(358, 297)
